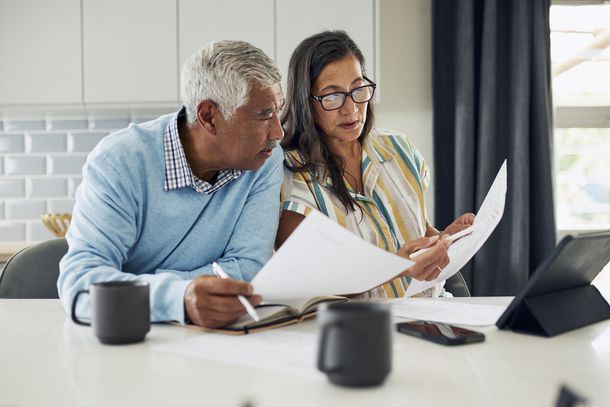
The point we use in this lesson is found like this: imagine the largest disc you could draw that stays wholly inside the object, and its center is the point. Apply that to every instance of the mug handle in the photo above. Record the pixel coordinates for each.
(322, 350)
(74, 317)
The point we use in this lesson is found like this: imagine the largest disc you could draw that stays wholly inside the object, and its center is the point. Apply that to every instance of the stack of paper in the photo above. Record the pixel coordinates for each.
(447, 312)
(463, 250)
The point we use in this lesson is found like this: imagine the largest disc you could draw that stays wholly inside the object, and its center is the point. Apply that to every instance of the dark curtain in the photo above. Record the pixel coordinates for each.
(492, 100)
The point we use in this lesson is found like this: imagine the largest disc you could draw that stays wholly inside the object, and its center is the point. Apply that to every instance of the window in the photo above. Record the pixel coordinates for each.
(580, 55)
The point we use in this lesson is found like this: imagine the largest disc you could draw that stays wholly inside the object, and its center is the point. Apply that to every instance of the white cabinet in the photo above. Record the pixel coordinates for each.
(40, 52)
(297, 19)
(129, 51)
(203, 21)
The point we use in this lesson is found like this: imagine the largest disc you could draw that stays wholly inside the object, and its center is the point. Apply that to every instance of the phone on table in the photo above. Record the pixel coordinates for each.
(444, 334)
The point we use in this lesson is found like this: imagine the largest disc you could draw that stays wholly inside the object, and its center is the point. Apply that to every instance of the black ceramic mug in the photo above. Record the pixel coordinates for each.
(355, 347)
(120, 311)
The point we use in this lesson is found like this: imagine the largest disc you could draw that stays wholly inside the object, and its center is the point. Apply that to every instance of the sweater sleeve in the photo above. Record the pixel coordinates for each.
(104, 228)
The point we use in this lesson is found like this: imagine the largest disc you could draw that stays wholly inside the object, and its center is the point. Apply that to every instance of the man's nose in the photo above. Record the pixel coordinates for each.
(277, 132)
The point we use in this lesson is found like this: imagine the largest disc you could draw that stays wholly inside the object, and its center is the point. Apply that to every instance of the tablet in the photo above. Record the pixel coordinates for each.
(559, 296)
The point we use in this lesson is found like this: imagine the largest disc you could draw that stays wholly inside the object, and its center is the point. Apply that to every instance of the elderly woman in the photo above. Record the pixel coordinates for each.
(368, 180)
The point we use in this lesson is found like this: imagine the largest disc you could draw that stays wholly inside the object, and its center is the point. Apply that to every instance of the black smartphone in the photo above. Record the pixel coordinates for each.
(444, 334)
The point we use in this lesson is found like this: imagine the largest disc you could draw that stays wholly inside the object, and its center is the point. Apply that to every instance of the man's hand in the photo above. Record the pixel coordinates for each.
(460, 223)
(430, 264)
(212, 303)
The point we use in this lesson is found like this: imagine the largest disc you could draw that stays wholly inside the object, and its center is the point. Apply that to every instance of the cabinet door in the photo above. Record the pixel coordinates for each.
(40, 52)
(205, 21)
(129, 51)
(297, 19)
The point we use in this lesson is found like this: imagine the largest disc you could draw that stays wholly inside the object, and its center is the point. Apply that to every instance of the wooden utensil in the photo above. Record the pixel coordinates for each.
(57, 223)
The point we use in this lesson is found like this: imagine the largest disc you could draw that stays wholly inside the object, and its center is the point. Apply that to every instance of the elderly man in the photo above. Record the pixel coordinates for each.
(162, 200)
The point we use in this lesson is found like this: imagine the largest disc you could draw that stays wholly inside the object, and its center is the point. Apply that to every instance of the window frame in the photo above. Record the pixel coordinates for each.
(576, 117)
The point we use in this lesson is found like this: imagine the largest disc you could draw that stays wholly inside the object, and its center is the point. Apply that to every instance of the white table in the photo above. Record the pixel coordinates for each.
(45, 359)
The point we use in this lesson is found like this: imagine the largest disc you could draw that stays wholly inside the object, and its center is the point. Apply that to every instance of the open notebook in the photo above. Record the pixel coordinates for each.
(273, 315)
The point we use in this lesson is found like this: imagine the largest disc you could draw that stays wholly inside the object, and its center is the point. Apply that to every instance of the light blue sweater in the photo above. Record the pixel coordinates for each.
(125, 226)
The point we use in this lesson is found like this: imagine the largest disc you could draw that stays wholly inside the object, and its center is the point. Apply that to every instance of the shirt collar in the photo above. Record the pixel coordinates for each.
(369, 173)
(380, 151)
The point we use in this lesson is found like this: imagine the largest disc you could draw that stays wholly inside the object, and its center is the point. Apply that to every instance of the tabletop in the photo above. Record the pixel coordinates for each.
(45, 359)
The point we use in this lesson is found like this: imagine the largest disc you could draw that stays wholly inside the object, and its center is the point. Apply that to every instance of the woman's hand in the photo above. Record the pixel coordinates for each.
(460, 223)
(428, 265)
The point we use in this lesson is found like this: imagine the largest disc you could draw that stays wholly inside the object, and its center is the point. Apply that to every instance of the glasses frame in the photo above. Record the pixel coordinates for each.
(346, 94)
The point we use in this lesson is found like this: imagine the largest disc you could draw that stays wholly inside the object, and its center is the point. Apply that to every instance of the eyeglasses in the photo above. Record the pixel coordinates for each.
(336, 100)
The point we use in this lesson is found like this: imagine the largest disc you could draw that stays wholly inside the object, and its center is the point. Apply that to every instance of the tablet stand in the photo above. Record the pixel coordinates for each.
(561, 311)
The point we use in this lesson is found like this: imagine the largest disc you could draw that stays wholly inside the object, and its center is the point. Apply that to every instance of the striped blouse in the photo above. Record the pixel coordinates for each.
(392, 209)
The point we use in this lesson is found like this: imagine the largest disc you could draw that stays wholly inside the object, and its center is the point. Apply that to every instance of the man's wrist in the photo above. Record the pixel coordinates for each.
(187, 320)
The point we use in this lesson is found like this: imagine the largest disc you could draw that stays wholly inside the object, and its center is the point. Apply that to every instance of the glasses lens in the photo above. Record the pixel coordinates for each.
(333, 101)
(363, 94)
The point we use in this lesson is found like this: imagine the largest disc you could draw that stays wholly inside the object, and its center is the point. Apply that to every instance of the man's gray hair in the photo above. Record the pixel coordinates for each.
(223, 72)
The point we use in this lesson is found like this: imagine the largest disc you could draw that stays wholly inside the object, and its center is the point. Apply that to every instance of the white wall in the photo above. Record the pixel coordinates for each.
(37, 143)
(406, 75)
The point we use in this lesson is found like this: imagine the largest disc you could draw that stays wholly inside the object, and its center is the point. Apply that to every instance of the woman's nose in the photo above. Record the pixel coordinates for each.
(349, 106)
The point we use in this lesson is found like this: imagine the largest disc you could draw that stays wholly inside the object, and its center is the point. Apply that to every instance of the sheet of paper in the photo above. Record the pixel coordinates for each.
(278, 350)
(323, 258)
(448, 312)
(461, 251)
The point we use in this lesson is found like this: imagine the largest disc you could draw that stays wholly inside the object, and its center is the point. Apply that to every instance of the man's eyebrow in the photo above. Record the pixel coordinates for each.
(265, 111)
(269, 110)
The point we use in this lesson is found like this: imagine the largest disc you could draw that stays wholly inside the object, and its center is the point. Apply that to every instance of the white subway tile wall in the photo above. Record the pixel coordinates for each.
(65, 164)
(109, 123)
(25, 209)
(46, 143)
(61, 205)
(46, 187)
(21, 124)
(25, 165)
(73, 183)
(36, 231)
(79, 142)
(12, 143)
(12, 231)
(67, 124)
(12, 187)
(41, 163)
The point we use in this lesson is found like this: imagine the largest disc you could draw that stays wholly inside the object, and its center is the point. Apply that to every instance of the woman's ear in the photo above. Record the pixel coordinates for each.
(206, 115)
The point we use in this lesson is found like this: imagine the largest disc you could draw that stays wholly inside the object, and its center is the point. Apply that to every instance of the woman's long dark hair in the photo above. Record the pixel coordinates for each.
(301, 132)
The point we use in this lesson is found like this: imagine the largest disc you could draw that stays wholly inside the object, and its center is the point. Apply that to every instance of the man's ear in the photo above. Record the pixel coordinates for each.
(207, 112)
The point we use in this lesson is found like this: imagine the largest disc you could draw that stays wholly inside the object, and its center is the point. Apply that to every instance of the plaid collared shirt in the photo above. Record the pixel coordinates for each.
(178, 173)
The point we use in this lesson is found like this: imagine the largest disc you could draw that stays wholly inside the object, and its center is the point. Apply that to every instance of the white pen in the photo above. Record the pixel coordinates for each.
(220, 273)
(452, 237)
